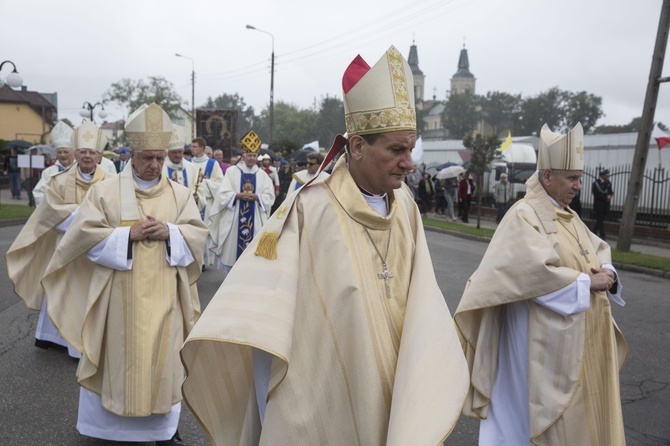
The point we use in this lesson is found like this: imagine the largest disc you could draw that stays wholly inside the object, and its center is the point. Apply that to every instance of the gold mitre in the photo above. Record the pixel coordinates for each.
(250, 143)
(89, 136)
(561, 152)
(149, 128)
(61, 135)
(176, 138)
(379, 99)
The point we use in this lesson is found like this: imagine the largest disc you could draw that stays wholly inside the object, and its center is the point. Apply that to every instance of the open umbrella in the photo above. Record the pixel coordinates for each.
(449, 172)
(43, 149)
(272, 154)
(18, 144)
(447, 164)
(300, 156)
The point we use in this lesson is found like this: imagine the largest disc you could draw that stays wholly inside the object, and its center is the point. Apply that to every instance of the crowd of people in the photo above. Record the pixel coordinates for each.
(329, 326)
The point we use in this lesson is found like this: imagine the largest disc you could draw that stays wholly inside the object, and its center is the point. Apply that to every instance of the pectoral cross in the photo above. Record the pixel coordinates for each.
(386, 275)
(584, 252)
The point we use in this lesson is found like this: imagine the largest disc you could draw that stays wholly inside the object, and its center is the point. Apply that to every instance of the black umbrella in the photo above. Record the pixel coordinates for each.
(272, 154)
(444, 165)
(300, 156)
(18, 144)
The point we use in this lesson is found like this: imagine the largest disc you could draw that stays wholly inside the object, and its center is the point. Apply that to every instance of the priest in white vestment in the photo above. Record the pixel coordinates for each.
(30, 253)
(106, 164)
(182, 171)
(242, 205)
(536, 318)
(211, 178)
(61, 140)
(331, 328)
(132, 257)
(301, 177)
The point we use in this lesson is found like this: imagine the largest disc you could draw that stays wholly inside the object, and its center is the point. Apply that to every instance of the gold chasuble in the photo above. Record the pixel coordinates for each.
(573, 361)
(29, 255)
(129, 325)
(355, 360)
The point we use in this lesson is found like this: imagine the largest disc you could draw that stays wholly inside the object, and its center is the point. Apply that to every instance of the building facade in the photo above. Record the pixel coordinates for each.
(27, 115)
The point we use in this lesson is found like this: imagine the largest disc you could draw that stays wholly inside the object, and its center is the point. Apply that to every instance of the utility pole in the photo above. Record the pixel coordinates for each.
(629, 214)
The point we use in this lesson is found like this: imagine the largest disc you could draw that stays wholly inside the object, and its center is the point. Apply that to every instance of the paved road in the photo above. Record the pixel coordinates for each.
(38, 392)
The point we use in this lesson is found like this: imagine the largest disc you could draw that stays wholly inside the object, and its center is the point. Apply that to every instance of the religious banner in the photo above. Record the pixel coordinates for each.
(218, 127)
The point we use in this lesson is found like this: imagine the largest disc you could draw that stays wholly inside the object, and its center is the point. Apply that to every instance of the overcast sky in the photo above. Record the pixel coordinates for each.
(78, 48)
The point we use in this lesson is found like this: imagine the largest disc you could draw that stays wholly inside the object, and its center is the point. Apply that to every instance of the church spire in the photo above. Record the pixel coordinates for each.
(463, 81)
(464, 65)
(417, 75)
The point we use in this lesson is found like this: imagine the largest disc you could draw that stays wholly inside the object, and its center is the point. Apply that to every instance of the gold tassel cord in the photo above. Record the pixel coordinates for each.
(267, 245)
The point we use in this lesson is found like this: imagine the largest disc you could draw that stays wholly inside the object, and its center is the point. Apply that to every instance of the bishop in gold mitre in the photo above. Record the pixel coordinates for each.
(132, 257)
(331, 328)
(536, 319)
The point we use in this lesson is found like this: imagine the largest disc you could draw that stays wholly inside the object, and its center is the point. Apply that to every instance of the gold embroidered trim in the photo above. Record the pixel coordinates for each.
(148, 141)
(400, 117)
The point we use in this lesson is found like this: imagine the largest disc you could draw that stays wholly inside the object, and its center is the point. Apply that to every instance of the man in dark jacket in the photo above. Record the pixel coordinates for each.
(602, 195)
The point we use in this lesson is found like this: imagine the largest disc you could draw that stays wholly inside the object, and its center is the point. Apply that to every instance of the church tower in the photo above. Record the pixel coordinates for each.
(417, 74)
(463, 81)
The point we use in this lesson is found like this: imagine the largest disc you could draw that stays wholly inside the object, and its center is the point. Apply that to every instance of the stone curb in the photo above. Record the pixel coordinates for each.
(13, 222)
(618, 265)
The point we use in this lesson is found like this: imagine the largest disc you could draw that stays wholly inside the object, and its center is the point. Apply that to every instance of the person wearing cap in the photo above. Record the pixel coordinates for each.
(602, 197)
(301, 177)
(30, 253)
(132, 257)
(106, 164)
(181, 171)
(61, 140)
(241, 206)
(536, 317)
(122, 160)
(211, 177)
(502, 196)
(267, 167)
(331, 327)
(285, 178)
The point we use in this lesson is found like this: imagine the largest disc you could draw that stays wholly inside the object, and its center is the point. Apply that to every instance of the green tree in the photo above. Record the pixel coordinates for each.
(245, 114)
(632, 126)
(541, 109)
(501, 111)
(131, 94)
(483, 151)
(560, 110)
(291, 124)
(581, 107)
(460, 114)
(330, 120)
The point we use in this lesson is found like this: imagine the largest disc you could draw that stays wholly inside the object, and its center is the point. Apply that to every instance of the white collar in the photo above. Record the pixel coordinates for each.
(199, 159)
(143, 184)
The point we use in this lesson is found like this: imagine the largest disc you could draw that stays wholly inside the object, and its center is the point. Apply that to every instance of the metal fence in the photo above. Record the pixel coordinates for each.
(653, 207)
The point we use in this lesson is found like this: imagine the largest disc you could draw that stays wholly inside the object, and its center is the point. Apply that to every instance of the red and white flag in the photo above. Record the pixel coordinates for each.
(662, 138)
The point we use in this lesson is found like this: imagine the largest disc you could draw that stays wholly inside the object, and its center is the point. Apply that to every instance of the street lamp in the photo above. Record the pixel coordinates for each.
(87, 111)
(14, 79)
(272, 78)
(192, 93)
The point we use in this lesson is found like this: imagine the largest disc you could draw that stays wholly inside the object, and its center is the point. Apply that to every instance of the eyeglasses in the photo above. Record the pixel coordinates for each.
(311, 163)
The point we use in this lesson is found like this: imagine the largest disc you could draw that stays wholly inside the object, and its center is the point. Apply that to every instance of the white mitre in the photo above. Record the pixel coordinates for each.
(89, 136)
(61, 135)
(176, 138)
(379, 99)
(561, 152)
(148, 128)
